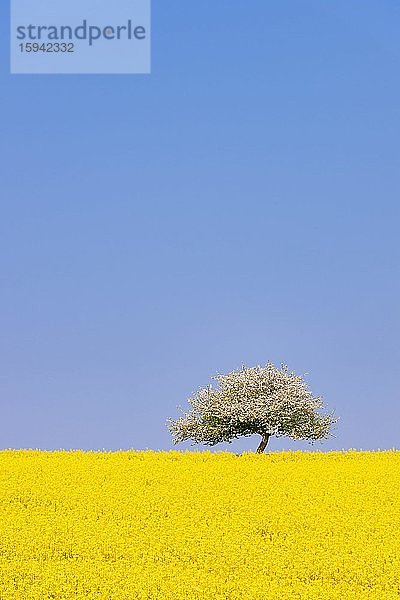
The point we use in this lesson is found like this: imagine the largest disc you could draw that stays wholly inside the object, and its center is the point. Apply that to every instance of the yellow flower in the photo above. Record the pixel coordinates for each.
(199, 525)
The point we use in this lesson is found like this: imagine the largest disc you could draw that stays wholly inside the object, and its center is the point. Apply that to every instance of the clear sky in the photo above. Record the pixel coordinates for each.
(239, 204)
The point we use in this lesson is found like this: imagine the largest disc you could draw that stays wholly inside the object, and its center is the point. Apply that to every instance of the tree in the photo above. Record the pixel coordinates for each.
(264, 400)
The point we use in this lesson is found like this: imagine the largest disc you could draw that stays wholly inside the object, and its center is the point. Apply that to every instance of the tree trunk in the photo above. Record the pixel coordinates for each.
(263, 443)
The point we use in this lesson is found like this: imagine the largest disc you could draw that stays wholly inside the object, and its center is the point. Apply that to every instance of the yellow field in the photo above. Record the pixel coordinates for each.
(199, 526)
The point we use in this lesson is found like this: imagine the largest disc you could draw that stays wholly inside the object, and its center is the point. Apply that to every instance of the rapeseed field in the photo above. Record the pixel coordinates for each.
(199, 525)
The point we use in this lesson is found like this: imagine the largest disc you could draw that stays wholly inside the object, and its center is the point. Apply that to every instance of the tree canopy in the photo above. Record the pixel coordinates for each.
(253, 400)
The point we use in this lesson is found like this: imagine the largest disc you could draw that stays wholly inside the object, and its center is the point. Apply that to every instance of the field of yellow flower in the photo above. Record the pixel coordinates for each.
(199, 525)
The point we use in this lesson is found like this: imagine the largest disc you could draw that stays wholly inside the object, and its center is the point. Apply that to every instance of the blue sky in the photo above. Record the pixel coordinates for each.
(239, 204)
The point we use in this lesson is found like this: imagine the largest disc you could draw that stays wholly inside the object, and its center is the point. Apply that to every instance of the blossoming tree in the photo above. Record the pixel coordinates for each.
(264, 400)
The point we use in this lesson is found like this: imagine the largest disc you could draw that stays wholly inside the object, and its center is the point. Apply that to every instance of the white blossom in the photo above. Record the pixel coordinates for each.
(263, 400)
